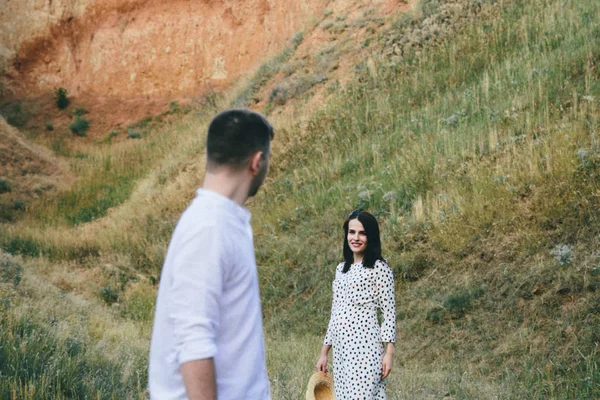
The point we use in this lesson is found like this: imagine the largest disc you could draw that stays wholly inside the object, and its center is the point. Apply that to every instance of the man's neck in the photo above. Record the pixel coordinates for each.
(230, 184)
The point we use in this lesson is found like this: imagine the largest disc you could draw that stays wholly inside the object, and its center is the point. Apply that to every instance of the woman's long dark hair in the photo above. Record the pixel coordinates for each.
(373, 250)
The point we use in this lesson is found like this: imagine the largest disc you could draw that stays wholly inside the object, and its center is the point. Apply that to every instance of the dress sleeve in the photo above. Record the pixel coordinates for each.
(331, 327)
(387, 301)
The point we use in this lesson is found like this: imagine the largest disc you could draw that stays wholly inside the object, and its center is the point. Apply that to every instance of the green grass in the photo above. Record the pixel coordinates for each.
(54, 353)
(479, 156)
(40, 365)
(468, 153)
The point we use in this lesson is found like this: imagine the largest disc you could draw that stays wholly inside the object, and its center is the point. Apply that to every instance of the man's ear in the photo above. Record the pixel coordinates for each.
(255, 162)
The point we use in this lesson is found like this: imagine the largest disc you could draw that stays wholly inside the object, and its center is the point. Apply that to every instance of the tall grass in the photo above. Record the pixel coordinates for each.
(59, 345)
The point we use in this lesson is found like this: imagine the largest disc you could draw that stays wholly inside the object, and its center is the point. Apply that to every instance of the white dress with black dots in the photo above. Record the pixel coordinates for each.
(354, 331)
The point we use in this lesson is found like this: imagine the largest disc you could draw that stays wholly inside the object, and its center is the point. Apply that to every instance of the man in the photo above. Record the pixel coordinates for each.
(207, 340)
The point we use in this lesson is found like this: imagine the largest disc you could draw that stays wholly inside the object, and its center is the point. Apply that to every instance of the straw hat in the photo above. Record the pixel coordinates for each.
(320, 387)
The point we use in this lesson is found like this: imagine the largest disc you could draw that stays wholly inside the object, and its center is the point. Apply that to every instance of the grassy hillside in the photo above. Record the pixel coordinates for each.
(479, 155)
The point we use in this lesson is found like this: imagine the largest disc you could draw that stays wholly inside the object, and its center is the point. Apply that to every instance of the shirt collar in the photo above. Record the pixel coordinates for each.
(240, 212)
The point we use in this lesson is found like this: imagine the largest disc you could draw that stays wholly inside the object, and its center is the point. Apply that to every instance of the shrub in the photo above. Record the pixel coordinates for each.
(134, 135)
(23, 246)
(62, 101)
(109, 295)
(4, 186)
(563, 254)
(49, 126)
(19, 205)
(79, 126)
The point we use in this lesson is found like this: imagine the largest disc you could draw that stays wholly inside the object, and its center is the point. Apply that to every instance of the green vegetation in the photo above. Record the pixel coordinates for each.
(4, 186)
(109, 295)
(15, 114)
(473, 155)
(53, 354)
(10, 210)
(131, 134)
(79, 126)
(61, 97)
(478, 154)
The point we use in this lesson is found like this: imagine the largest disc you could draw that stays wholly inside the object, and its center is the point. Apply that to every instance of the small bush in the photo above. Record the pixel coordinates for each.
(79, 126)
(134, 135)
(19, 205)
(563, 254)
(62, 101)
(49, 126)
(4, 186)
(109, 295)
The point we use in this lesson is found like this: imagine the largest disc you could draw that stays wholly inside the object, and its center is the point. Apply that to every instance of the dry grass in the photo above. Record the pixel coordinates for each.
(479, 156)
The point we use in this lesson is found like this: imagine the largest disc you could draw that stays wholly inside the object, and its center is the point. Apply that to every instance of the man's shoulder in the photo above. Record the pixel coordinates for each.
(203, 216)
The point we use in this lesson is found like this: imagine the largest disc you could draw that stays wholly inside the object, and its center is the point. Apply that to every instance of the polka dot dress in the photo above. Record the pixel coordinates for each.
(354, 332)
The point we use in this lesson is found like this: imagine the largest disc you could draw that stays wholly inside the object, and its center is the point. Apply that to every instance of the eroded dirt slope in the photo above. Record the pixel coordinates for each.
(135, 48)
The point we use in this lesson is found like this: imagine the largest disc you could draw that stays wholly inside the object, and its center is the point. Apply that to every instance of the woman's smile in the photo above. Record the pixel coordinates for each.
(357, 238)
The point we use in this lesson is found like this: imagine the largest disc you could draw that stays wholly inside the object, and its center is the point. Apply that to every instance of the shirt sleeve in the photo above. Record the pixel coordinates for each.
(331, 327)
(386, 300)
(197, 285)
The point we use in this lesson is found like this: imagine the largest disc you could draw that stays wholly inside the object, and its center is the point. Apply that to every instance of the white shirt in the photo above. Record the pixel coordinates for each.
(208, 304)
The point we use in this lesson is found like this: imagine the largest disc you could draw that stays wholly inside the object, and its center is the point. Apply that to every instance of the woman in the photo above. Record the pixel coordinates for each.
(363, 284)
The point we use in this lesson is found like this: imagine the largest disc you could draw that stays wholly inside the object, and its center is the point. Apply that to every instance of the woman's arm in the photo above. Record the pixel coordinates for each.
(322, 362)
(388, 361)
(387, 301)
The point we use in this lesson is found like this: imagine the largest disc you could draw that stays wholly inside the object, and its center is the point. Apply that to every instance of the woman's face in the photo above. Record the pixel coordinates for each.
(357, 237)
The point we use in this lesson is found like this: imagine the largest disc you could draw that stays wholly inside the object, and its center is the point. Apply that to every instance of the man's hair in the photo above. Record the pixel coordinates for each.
(234, 135)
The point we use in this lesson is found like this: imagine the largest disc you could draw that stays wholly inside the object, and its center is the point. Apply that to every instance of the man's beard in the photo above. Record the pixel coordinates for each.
(257, 181)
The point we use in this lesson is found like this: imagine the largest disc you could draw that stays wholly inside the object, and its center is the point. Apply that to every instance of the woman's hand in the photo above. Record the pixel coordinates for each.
(386, 366)
(322, 363)
(388, 361)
